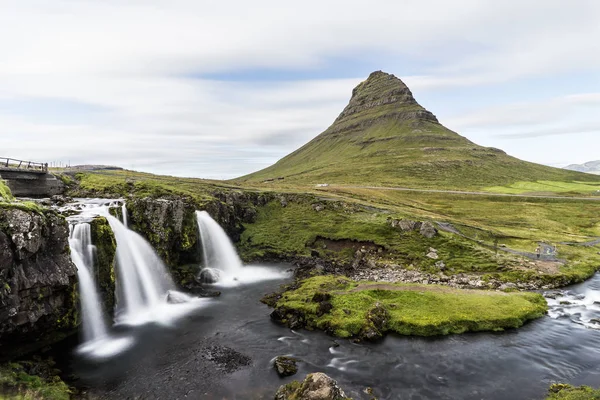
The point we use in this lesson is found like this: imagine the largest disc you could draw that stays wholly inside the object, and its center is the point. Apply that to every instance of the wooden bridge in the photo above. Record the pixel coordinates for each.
(10, 164)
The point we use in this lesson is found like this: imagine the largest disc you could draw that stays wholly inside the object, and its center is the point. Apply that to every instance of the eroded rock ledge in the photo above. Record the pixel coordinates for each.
(38, 290)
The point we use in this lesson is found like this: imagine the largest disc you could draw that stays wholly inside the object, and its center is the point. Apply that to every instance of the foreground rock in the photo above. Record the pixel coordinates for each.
(38, 292)
(285, 366)
(317, 386)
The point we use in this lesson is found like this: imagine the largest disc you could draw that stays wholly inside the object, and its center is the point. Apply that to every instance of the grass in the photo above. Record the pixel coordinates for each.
(298, 229)
(423, 310)
(487, 223)
(17, 384)
(567, 392)
(5, 192)
(120, 183)
(359, 216)
(548, 187)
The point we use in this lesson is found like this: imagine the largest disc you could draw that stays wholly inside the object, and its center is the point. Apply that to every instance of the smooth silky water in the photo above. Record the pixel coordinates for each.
(518, 364)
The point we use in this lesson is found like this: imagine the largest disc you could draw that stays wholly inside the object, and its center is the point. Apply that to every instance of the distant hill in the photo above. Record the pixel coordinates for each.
(384, 137)
(591, 167)
(95, 168)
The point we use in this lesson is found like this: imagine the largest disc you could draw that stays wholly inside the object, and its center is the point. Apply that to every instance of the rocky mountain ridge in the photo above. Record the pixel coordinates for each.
(590, 167)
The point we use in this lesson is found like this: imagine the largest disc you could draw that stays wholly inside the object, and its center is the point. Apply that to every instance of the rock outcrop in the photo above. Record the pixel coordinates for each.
(317, 386)
(385, 92)
(169, 224)
(38, 290)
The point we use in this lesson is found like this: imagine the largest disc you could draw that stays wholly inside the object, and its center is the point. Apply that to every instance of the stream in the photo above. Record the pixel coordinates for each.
(171, 361)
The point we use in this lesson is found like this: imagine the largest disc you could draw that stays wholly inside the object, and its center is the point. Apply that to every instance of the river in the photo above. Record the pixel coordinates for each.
(171, 362)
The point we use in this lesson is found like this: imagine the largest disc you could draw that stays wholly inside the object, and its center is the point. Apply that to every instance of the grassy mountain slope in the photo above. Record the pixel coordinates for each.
(384, 137)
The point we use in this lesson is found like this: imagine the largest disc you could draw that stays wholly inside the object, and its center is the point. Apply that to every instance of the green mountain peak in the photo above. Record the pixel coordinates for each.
(383, 137)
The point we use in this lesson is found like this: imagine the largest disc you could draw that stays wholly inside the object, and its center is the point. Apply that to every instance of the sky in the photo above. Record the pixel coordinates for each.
(221, 89)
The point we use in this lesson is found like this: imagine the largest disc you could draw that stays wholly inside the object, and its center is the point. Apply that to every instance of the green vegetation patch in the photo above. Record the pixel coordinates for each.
(367, 310)
(547, 187)
(19, 382)
(340, 228)
(5, 192)
(561, 391)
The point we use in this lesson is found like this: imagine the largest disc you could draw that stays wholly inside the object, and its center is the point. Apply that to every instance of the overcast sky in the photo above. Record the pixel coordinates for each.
(218, 89)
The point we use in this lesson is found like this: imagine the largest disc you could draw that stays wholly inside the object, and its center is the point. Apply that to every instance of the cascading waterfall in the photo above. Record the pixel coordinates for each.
(125, 217)
(144, 287)
(218, 251)
(82, 254)
(221, 262)
(96, 340)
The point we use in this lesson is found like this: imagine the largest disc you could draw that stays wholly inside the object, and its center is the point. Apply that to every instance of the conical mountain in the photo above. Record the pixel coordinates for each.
(384, 137)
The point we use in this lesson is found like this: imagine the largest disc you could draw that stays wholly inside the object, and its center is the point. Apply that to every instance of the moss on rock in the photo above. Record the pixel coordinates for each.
(561, 391)
(104, 240)
(32, 380)
(368, 310)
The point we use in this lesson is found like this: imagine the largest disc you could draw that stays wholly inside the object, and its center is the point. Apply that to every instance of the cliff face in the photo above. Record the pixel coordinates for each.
(169, 224)
(38, 289)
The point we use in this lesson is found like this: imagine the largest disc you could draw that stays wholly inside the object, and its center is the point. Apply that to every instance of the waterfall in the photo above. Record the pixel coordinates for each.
(124, 212)
(221, 262)
(82, 254)
(143, 284)
(218, 251)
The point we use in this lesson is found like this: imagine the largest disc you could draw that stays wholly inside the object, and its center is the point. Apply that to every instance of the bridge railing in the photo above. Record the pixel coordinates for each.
(21, 165)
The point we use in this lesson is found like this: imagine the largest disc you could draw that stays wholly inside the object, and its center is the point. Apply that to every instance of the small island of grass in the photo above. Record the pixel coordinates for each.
(367, 310)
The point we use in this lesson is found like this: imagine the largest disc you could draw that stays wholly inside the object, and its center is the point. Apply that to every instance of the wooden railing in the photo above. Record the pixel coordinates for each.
(20, 165)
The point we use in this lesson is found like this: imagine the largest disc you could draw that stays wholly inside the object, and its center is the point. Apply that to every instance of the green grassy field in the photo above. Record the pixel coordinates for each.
(548, 187)
(423, 310)
(119, 183)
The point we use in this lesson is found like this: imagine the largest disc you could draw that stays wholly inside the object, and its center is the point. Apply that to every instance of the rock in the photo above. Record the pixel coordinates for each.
(432, 250)
(38, 290)
(209, 275)
(508, 285)
(432, 255)
(441, 265)
(285, 366)
(378, 317)
(317, 386)
(59, 200)
(324, 308)
(428, 230)
(283, 201)
(318, 207)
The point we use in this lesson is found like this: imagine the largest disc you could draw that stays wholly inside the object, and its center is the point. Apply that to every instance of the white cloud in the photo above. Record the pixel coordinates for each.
(140, 65)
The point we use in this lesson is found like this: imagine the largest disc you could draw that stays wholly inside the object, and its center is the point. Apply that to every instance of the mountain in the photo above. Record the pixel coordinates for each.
(591, 167)
(384, 137)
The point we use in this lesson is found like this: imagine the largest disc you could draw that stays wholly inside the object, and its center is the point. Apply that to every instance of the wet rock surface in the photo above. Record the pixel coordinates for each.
(38, 295)
(225, 358)
(317, 386)
(286, 366)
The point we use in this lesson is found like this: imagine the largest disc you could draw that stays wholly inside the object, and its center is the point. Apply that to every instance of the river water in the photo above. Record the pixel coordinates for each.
(169, 362)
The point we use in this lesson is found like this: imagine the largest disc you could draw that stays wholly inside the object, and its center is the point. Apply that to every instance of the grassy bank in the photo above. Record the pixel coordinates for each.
(567, 392)
(19, 382)
(367, 310)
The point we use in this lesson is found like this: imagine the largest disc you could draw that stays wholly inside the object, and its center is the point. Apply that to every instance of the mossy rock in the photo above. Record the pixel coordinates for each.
(561, 391)
(32, 380)
(286, 366)
(106, 246)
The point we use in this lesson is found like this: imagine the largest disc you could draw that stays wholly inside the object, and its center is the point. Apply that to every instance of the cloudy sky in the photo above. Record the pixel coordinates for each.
(218, 89)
